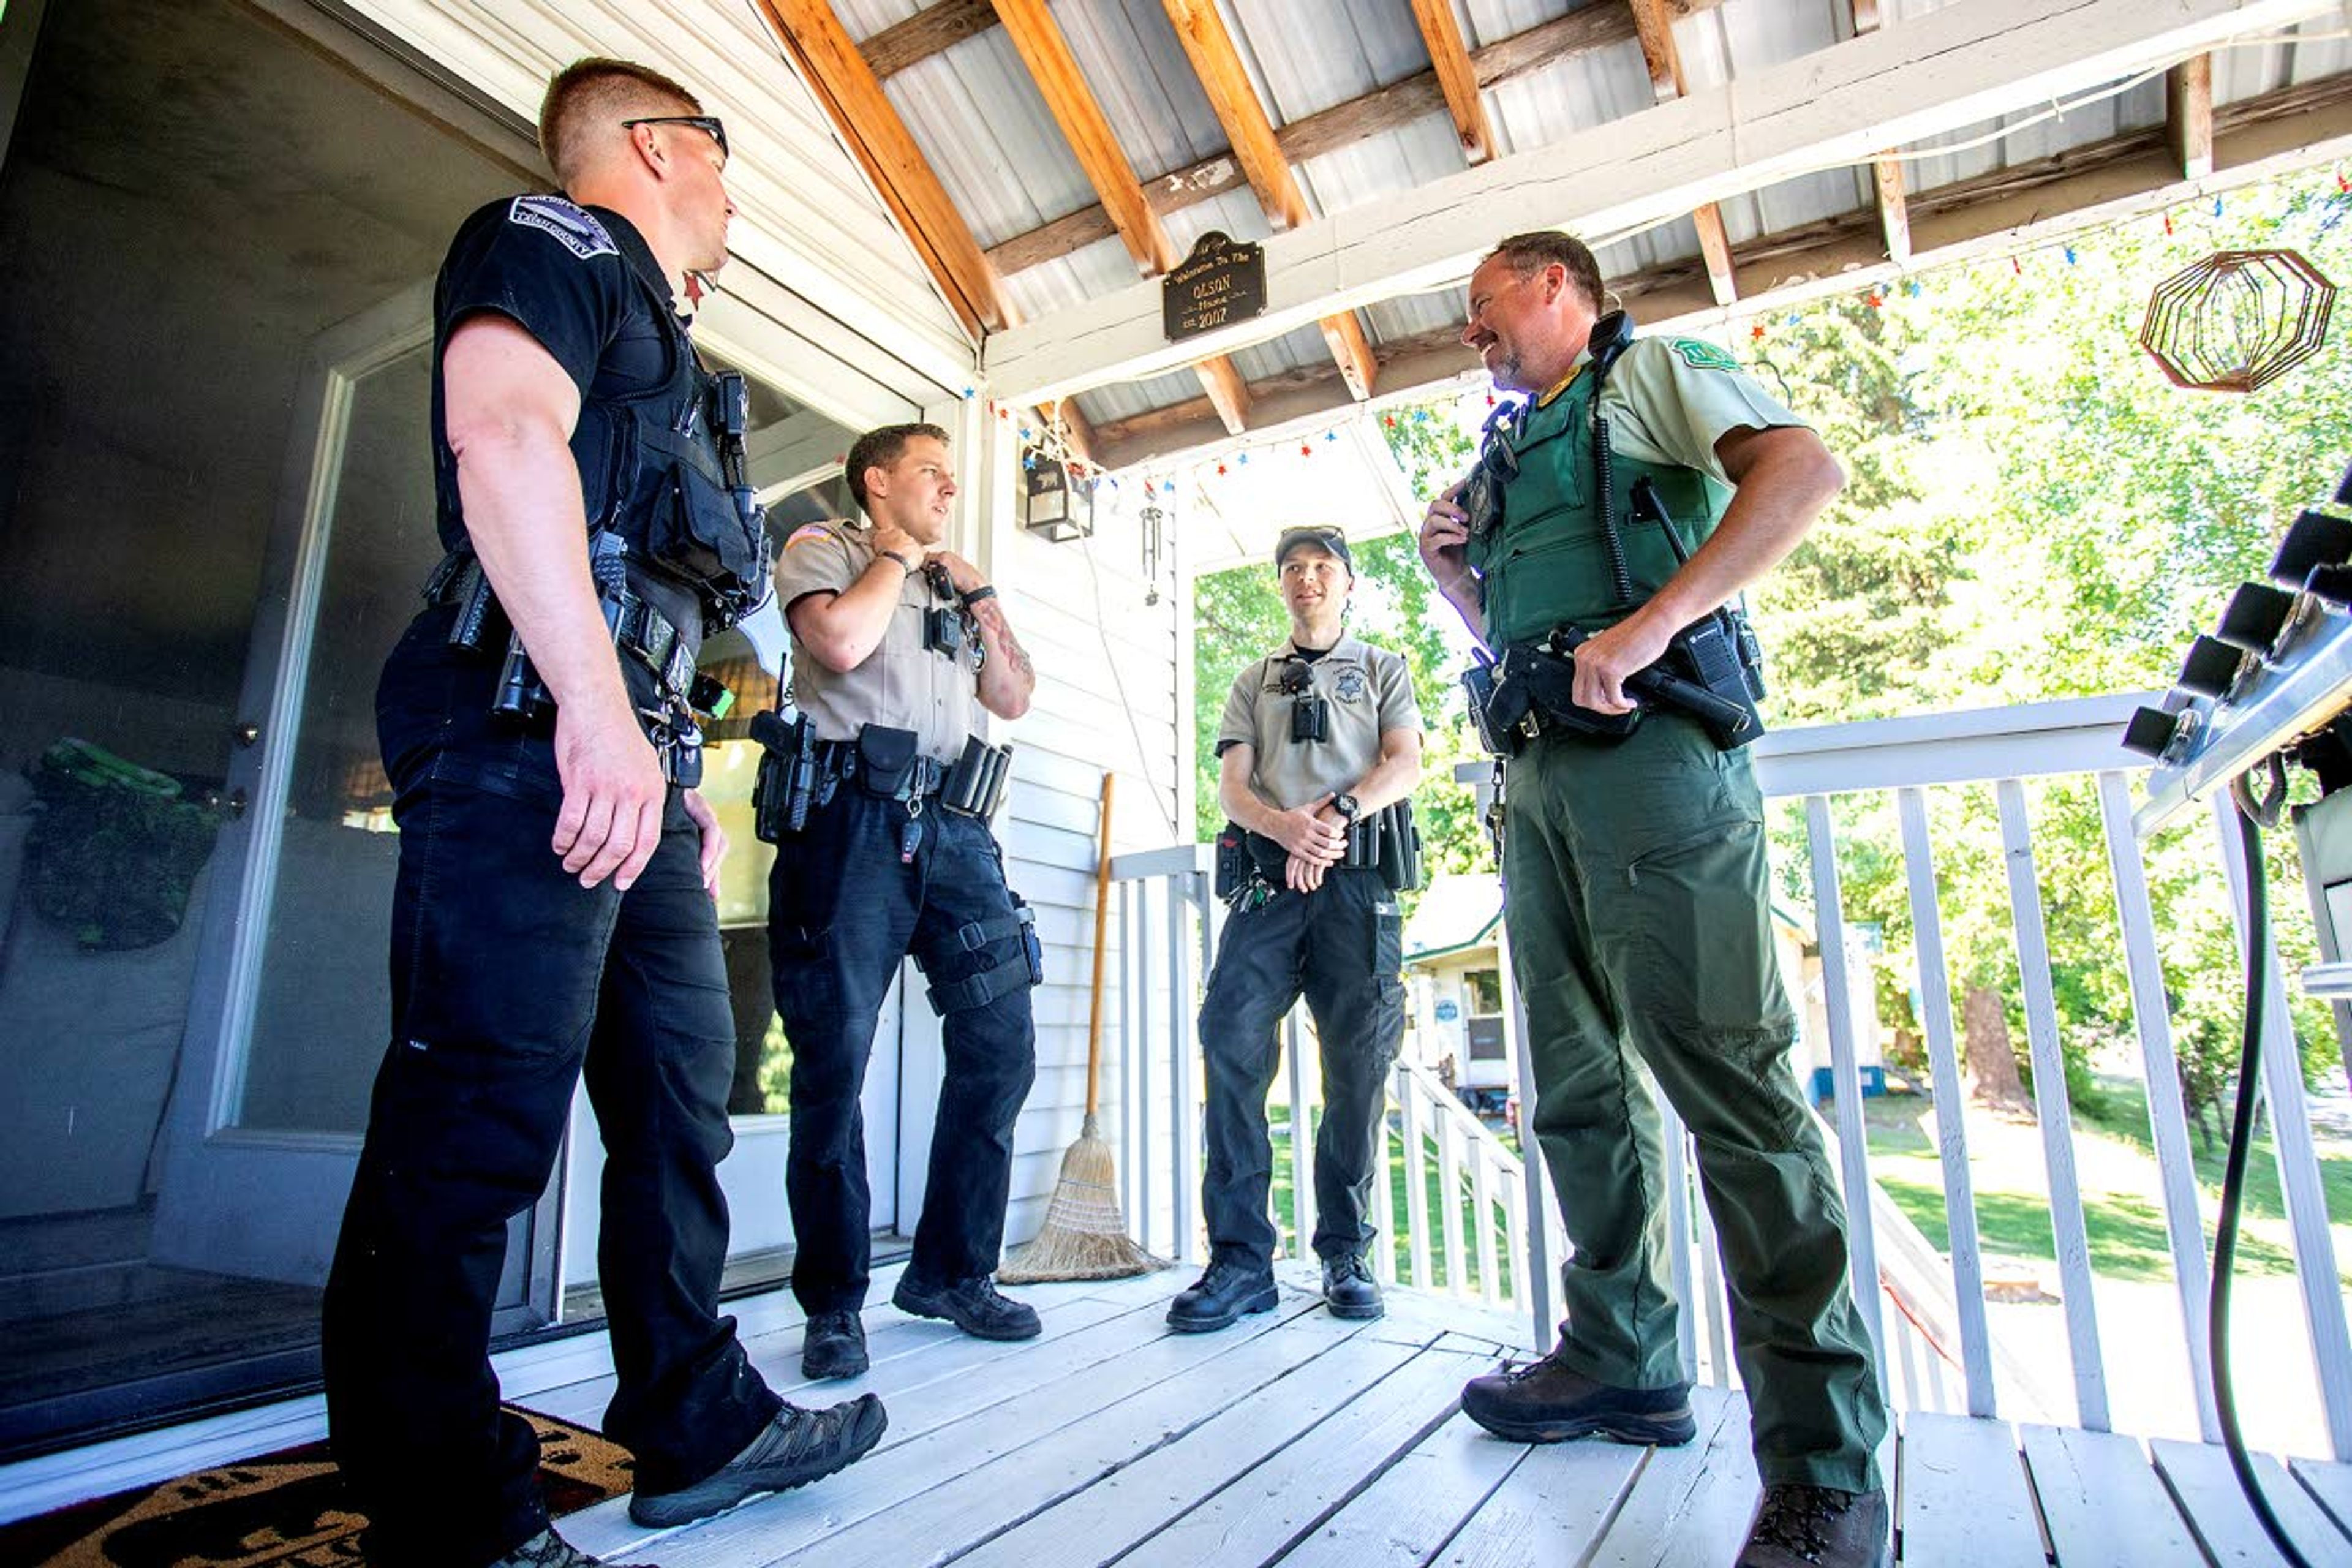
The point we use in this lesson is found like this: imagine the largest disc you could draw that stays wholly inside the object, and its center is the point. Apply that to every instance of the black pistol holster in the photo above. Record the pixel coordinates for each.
(788, 783)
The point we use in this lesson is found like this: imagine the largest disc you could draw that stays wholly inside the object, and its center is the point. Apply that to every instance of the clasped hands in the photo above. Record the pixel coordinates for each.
(1316, 838)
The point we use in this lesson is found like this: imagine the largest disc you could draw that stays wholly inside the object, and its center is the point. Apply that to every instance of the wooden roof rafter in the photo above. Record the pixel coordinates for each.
(1218, 65)
(1456, 78)
(1038, 40)
(1653, 26)
(937, 27)
(1887, 169)
(879, 140)
(2189, 115)
(1400, 103)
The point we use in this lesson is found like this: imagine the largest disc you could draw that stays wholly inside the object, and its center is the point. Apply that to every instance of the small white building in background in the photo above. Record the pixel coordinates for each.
(1454, 998)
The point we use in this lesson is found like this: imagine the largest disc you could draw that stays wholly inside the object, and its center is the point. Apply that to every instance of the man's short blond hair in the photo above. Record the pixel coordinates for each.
(587, 101)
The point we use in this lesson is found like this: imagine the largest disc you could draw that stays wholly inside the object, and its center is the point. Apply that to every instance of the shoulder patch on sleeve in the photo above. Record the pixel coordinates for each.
(1700, 354)
(575, 228)
(808, 533)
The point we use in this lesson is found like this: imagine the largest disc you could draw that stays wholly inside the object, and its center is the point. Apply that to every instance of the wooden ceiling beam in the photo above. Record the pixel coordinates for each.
(1038, 39)
(1654, 28)
(1352, 353)
(1887, 169)
(1456, 78)
(1894, 209)
(870, 127)
(935, 27)
(1218, 66)
(2189, 115)
(1310, 136)
(1228, 394)
(1077, 434)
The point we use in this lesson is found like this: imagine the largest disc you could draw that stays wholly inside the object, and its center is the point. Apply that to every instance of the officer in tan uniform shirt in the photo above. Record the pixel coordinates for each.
(1320, 746)
(900, 650)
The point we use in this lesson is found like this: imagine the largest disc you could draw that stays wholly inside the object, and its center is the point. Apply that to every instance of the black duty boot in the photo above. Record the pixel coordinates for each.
(797, 1448)
(1545, 1403)
(1349, 1288)
(1802, 1526)
(549, 1550)
(833, 1346)
(1224, 1293)
(972, 1305)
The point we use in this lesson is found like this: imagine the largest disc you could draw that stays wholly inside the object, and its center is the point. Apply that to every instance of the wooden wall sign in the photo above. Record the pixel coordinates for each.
(1222, 280)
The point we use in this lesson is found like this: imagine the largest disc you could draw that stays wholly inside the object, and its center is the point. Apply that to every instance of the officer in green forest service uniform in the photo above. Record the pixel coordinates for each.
(1636, 894)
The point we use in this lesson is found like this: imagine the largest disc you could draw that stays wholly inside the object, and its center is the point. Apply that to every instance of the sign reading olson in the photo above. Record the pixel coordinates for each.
(1222, 280)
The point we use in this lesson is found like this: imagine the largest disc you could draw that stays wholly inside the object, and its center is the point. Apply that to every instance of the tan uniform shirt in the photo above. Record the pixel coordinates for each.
(902, 684)
(1368, 690)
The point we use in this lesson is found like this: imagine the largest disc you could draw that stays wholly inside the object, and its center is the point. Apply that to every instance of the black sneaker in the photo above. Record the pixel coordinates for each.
(1349, 1288)
(797, 1448)
(1802, 1526)
(973, 1305)
(833, 1346)
(549, 1550)
(1223, 1294)
(1545, 1403)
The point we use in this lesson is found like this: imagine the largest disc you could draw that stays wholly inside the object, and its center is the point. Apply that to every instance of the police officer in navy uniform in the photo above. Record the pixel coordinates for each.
(1637, 490)
(900, 652)
(1318, 741)
(553, 907)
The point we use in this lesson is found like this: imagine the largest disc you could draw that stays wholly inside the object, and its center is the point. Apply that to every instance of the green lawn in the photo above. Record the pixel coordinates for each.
(1278, 1121)
(2122, 1215)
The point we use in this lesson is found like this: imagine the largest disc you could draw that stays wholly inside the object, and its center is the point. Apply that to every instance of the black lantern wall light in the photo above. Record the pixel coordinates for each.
(1054, 503)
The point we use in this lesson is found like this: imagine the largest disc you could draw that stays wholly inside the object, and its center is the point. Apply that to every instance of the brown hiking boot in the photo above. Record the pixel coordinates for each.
(1802, 1526)
(1545, 1403)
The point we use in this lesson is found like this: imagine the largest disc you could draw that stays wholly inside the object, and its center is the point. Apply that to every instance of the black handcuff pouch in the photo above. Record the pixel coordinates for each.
(887, 760)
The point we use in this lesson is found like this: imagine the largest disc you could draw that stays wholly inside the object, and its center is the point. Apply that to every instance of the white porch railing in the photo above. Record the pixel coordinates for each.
(1497, 1237)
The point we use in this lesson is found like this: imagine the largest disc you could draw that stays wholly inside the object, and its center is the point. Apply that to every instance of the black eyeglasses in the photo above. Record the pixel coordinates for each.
(699, 121)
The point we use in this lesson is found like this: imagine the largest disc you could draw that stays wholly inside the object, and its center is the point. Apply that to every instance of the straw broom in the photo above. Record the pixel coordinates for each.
(1085, 1235)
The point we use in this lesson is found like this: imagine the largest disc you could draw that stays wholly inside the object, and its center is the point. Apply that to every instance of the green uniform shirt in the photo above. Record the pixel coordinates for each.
(1369, 691)
(902, 684)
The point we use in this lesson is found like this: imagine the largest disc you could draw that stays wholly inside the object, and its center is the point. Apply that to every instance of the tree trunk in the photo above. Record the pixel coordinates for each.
(1991, 1062)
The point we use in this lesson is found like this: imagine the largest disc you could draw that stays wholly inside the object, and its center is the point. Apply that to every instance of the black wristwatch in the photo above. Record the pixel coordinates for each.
(1345, 805)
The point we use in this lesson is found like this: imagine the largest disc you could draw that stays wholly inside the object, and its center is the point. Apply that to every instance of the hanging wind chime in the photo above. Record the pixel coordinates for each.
(2238, 320)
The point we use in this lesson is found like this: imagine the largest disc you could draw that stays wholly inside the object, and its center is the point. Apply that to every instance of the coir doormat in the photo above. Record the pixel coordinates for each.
(282, 1511)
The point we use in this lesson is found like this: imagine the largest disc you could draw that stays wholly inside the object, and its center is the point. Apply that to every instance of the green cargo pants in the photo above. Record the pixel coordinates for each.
(1640, 919)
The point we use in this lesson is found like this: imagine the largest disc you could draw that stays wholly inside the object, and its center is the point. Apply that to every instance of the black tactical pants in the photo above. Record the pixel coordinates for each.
(507, 978)
(1342, 946)
(845, 910)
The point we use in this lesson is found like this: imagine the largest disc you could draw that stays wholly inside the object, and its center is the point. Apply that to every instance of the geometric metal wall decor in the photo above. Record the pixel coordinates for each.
(2237, 320)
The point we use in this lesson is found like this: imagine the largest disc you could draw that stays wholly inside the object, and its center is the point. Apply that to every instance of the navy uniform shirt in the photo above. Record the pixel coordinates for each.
(580, 281)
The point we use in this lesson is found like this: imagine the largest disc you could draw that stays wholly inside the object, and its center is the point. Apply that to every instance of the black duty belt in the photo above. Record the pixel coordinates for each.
(840, 759)
(638, 628)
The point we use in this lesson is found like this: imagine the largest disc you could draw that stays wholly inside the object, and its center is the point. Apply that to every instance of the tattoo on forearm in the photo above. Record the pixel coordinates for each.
(991, 619)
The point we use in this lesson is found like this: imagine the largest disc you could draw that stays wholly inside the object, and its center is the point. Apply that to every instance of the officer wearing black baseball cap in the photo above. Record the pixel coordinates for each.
(1320, 741)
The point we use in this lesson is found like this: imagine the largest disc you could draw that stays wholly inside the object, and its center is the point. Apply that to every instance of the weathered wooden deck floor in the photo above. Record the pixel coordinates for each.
(1298, 1439)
